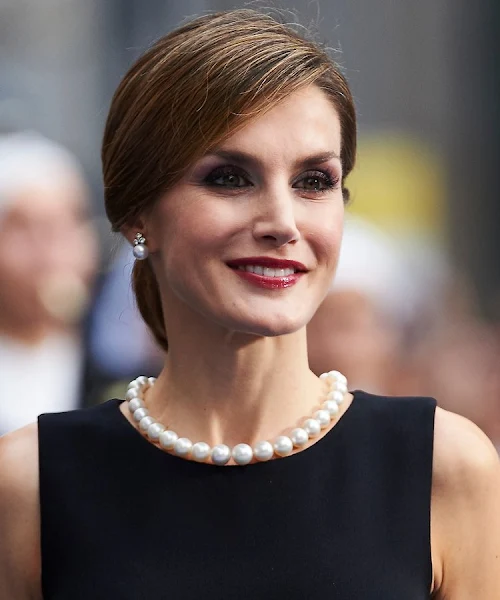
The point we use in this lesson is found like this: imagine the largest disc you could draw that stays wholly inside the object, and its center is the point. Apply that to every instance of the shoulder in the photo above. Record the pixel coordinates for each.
(18, 470)
(19, 513)
(398, 406)
(406, 418)
(465, 509)
(56, 428)
(463, 455)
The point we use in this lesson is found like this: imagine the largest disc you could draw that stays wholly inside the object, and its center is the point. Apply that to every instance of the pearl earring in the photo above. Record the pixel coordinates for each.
(140, 249)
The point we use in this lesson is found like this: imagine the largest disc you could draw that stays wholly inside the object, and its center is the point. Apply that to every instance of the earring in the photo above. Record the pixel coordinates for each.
(140, 249)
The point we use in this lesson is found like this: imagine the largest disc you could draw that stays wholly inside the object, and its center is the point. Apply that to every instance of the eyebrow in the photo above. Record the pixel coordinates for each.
(245, 159)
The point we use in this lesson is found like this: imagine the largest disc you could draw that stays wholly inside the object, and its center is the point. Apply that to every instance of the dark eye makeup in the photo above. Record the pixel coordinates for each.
(317, 181)
(227, 176)
(231, 177)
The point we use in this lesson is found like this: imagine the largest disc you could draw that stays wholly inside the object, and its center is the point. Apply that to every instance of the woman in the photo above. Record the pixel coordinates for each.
(225, 154)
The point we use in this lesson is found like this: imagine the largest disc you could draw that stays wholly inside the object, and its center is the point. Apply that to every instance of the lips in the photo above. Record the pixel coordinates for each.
(267, 262)
(267, 272)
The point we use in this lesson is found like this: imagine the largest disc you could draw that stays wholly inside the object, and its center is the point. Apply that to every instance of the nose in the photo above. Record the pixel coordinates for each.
(275, 218)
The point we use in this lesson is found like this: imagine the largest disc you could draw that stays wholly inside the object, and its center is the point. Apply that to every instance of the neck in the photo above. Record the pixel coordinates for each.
(220, 387)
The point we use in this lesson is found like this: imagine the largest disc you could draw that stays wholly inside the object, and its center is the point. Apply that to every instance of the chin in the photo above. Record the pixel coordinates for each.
(269, 327)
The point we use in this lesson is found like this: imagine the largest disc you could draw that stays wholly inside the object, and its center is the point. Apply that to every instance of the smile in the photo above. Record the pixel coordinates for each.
(268, 273)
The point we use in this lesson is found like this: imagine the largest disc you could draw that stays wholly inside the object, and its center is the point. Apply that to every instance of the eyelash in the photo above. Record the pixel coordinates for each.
(218, 172)
(328, 180)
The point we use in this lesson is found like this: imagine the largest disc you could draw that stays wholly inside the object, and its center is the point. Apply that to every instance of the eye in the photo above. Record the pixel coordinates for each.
(227, 177)
(317, 181)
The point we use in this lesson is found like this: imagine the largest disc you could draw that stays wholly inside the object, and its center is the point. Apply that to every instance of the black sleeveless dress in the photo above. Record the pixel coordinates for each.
(347, 519)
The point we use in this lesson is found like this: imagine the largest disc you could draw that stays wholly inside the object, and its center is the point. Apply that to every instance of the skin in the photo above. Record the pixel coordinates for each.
(195, 230)
(231, 341)
(44, 237)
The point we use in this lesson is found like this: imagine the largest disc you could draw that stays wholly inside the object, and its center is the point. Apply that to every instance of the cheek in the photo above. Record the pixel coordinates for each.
(195, 224)
(326, 237)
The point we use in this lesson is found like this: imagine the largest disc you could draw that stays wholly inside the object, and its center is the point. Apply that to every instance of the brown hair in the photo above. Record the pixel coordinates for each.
(190, 91)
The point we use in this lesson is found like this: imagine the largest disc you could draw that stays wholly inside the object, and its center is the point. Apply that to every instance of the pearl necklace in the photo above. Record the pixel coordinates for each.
(242, 454)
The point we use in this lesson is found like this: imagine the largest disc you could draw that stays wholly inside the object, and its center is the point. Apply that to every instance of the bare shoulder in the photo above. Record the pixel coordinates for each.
(463, 454)
(19, 514)
(465, 515)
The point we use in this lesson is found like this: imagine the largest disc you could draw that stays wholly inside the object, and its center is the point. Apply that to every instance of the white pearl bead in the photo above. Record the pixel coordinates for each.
(312, 427)
(200, 451)
(133, 393)
(140, 251)
(283, 445)
(134, 404)
(336, 396)
(183, 446)
(263, 450)
(337, 375)
(167, 439)
(221, 454)
(340, 387)
(242, 454)
(299, 437)
(154, 431)
(140, 413)
(323, 417)
(145, 423)
(332, 407)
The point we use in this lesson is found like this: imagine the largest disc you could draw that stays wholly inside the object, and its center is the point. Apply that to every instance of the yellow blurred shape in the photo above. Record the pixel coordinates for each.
(399, 184)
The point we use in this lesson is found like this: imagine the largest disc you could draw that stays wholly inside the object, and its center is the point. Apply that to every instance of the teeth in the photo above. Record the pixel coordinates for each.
(267, 271)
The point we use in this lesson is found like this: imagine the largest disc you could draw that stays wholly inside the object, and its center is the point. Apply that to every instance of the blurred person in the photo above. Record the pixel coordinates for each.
(461, 363)
(47, 261)
(390, 335)
(224, 155)
(359, 326)
(457, 358)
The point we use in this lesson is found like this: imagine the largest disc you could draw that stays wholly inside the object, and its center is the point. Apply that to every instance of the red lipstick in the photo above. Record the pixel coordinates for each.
(268, 272)
(267, 261)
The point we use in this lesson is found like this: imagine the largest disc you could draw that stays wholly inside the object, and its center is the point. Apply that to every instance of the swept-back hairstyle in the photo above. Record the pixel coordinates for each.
(190, 91)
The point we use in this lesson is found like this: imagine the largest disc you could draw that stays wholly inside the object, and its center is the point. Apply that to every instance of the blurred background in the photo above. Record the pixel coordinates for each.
(415, 308)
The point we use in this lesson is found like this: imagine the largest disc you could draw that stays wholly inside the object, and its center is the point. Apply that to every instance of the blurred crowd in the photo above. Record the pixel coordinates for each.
(398, 318)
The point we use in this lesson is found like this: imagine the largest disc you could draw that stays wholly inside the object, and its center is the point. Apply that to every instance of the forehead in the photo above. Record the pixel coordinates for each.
(46, 200)
(305, 122)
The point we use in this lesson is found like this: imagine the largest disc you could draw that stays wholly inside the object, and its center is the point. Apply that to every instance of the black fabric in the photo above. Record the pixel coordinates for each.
(347, 519)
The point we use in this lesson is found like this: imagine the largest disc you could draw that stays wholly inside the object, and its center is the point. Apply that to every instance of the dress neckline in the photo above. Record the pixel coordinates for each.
(331, 436)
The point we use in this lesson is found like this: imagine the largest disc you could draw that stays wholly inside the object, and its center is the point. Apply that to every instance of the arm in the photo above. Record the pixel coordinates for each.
(20, 565)
(465, 512)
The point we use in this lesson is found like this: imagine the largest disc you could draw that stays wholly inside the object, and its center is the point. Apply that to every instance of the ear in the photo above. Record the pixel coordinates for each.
(144, 225)
(130, 230)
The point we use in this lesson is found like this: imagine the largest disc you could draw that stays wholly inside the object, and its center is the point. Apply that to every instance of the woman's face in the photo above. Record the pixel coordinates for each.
(250, 237)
